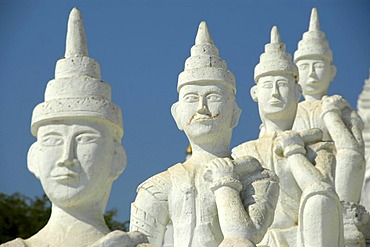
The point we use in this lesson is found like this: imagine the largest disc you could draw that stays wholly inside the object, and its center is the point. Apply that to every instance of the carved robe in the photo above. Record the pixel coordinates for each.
(309, 117)
(184, 197)
(287, 226)
(191, 208)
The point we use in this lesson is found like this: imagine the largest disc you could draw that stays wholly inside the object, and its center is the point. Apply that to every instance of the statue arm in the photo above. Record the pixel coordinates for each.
(290, 145)
(343, 124)
(303, 171)
(246, 211)
(149, 213)
(345, 127)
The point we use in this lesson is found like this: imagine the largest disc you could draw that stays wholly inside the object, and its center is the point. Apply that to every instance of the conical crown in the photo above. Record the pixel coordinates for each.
(204, 63)
(313, 42)
(77, 90)
(275, 59)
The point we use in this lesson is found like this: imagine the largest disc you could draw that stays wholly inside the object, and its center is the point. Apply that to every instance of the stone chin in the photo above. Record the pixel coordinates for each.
(273, 111)
(313, 88)
(206, 130)
(76, 192)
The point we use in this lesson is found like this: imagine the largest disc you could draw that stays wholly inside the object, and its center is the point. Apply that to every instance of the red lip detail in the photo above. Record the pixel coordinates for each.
(202, 118)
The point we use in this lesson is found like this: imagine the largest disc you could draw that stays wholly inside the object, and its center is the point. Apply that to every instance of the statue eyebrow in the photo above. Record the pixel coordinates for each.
(51, 133)
(87, 131)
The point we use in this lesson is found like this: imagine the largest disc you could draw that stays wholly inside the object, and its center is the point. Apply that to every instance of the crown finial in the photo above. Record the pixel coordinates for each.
(203, 36)
(205, 63)
(314, 21)
(275, 58)
(76, 45)
(275, 35)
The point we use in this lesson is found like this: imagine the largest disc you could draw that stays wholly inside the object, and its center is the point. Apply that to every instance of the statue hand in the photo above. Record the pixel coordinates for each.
(288, 143)
(121, 238)
(335, 103)
(222, 173)
(218, 168)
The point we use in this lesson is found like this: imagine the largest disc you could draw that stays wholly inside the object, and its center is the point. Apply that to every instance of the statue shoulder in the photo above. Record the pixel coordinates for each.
(159, 185)
(244, 149)
(18, 242)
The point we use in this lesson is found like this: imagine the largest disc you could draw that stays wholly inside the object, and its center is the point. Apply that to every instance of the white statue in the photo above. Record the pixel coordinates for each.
(78, 152)
(211, 199)
(338, 121)
(332, 114)
(363, 106)
(308, 211)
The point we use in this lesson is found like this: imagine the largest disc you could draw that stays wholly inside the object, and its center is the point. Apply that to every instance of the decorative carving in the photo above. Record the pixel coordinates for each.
(332, 114)
(308, 212)
(363, 106)
(211, 199)
(78, 152)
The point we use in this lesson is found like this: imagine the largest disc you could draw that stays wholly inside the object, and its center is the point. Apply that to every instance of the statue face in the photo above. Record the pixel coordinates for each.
(74, 161)
(315, 75)
(276, 96)
(205, 110)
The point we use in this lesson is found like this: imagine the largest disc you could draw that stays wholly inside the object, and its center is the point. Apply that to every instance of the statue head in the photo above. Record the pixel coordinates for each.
(78, 152)
(206, 109)
(314, 60)
(276, 91)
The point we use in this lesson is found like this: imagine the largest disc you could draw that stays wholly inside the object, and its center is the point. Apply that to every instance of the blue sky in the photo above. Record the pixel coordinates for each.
(141, 47)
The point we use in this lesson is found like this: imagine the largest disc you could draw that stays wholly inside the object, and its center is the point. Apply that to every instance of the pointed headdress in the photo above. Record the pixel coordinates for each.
(77, 90)
(204, 63)
(275, 59)
(313, 42)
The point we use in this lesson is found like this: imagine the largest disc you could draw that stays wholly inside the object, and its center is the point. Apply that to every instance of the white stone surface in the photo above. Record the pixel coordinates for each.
(78, 152)
(308, 212)
(211, 199)
(363, 106)
(333, 115)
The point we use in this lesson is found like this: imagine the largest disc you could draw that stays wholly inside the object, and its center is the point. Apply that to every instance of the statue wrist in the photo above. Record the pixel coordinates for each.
(294, 149)
(330, 112)
(228, 182)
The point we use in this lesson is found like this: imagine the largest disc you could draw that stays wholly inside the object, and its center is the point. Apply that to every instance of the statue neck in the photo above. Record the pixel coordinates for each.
(276, 125)
(210, 151)
(313, 97)
(67, 217)
(71, 227)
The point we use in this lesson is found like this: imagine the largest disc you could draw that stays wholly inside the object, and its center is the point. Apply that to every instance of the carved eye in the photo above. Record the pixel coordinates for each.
(214, 97)
(189, 98)
(319, 65)
(282, 83)
(51, 140)
(86, 138)
(303, 66)
(267, 84)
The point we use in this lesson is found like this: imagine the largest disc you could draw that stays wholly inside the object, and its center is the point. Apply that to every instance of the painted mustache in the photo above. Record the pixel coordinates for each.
(202, 117)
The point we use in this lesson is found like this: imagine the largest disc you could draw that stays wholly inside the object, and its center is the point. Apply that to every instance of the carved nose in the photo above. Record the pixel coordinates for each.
(202, 107)
(275, 91)
(203, 110)
(312, 71)
(68, 157)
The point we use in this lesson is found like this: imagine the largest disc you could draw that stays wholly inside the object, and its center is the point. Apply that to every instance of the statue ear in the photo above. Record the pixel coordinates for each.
(254, 93)
(333, 72)
(236, 115)
(32, 163)
(297, 92)
(175, 115)
(119, 160)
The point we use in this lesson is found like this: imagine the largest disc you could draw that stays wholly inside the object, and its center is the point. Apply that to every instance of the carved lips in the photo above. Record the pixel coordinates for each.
(62, 174)
(202, 118)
